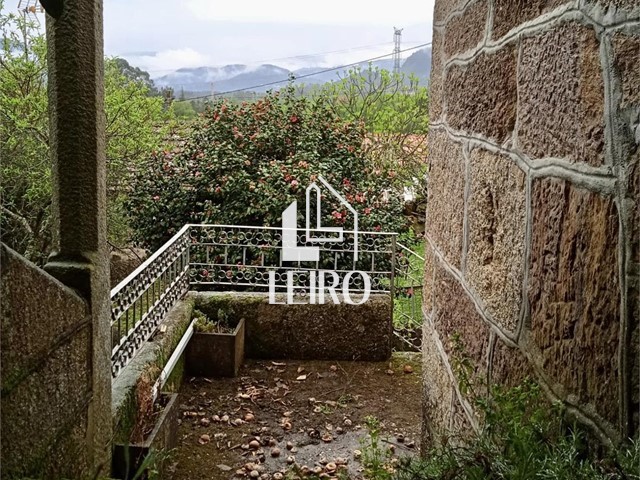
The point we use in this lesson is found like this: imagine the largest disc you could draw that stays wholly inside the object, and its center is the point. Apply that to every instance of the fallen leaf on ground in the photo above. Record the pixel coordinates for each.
(204, 439)
(301, 377)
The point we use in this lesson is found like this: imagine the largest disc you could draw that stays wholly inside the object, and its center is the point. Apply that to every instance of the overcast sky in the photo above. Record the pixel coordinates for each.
(163, 35)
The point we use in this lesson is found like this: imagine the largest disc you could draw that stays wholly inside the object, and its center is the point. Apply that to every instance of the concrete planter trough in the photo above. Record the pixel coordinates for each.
(128, 459)
(303, 331)
(216, 354)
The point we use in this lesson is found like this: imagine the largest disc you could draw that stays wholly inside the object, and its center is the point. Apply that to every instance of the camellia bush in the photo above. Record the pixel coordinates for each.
(244, 164)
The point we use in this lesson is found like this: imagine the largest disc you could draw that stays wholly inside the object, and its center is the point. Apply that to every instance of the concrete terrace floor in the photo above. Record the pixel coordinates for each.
(283, 417)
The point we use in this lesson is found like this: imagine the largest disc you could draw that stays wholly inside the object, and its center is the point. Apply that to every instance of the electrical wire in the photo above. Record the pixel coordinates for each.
(244, 89)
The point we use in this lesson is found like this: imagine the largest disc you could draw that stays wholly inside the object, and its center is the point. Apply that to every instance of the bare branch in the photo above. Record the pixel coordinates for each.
(18, 219)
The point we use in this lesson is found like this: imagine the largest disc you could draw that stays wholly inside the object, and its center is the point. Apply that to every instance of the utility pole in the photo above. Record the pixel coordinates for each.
(397, 38)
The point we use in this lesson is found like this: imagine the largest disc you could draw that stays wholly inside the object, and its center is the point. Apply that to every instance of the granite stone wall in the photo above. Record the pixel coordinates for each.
(533, 237)
(45, 354)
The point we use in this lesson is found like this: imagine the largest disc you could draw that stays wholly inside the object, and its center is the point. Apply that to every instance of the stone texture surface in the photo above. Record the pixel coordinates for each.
(438, 391)
(445, 206)
(541, 96)
(443, 9)
(436, 76)
(496, 222)
(626, 51)
(61, 388)
(428, 291)
(460, 425)
(574, 291)
(25, 290)
(633, 353)
(302, 331)
(481, 96)
(561, 91)
(466, 30)
(456, 316)
(634, 195)
(508, 14)
(509, 366)
(46, 373)
(628, 5)
(75, 77)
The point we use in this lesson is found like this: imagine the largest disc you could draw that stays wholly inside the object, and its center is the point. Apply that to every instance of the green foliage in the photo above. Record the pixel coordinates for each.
(184, 110)
(244, 163)
(394, 109)
(387, 103)
(375, 458)
(222, 324)
(136, 124)
(24, 138)
(523, 438)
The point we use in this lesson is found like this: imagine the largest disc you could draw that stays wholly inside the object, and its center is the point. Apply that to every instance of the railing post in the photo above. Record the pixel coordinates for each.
(392, 279)
(189, 245)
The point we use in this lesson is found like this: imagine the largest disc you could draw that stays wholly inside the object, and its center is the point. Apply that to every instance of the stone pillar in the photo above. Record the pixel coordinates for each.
(79, 260)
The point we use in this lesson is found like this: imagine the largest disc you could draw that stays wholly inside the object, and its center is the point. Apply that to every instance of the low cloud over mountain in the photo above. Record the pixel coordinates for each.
(235, 77)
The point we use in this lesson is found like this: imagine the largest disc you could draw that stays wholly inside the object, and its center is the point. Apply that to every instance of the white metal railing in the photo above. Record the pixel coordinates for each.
(235, 257)
(407, 301)
(141, 301)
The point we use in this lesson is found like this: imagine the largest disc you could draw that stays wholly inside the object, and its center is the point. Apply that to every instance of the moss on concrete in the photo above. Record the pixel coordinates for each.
(149, 362)
(305, 331)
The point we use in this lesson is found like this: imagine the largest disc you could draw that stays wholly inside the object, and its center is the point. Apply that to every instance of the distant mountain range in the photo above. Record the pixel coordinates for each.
(234, 77)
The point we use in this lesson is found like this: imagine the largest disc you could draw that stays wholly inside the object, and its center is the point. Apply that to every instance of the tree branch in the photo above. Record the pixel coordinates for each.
(17, 218)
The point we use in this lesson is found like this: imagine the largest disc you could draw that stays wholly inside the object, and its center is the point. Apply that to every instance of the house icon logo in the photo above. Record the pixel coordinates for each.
(291, 252)
(321, 284)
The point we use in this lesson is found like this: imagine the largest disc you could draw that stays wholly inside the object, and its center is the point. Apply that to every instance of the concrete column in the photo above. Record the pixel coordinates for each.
(76, 105)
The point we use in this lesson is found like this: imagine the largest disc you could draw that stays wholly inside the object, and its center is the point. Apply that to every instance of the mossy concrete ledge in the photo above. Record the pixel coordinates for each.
(303, 331)
(145, 367)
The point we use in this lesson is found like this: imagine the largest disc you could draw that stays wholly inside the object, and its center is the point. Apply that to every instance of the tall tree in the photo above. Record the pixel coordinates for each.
(137, 124)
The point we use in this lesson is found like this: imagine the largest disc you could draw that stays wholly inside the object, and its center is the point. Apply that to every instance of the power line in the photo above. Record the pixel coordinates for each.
(303, 76)
(292, 57)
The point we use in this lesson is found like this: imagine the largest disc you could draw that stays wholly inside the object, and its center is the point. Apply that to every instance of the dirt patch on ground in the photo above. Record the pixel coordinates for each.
(288, 415)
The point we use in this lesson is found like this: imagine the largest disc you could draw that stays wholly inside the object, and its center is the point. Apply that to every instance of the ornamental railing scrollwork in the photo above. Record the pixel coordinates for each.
(141, 301)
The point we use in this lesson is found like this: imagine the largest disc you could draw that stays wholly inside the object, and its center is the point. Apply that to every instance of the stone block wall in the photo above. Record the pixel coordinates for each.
(533, 237)
(45, 352)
